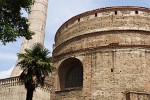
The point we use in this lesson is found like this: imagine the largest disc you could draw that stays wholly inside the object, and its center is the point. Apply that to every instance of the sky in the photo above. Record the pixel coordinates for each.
(59, 11)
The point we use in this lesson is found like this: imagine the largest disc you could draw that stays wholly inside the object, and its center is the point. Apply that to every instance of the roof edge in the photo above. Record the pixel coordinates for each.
(99, 10)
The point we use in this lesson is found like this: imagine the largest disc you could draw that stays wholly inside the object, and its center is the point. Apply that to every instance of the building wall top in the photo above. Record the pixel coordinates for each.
(100, 10)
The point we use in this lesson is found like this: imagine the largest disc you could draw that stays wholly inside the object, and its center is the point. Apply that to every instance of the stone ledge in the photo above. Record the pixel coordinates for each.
(141, 93)
(11, 80)
(14, 81)
(91, 34)
(110, 46)
(137, 96)
(69, 89)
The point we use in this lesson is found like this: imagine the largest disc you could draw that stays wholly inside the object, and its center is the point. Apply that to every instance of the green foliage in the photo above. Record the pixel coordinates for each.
(12, 24)
(36, 65)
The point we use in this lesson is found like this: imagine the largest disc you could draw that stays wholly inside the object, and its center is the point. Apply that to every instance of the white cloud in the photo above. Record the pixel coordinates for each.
(6, 74)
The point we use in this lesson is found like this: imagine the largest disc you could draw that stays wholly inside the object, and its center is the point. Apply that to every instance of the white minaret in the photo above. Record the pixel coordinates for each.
(37, 20)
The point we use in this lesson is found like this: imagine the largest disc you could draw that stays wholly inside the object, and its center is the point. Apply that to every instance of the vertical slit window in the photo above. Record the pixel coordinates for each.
(78, 19)
(115, 12)
(95, 14)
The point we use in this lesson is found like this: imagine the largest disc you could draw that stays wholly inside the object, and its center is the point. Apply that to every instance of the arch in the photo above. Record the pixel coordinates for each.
(70, 73)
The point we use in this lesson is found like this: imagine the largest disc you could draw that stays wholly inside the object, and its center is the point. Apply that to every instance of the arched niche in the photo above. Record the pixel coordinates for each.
(70, 73)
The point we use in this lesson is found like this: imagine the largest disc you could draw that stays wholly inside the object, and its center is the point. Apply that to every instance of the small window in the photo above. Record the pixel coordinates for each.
(66, 25)
(112, 70)
(136, 12)
(95, 14)
(115, 12)
(78, 19)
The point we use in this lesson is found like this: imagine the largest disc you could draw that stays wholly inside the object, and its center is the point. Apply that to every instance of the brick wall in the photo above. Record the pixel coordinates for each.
(113, 46)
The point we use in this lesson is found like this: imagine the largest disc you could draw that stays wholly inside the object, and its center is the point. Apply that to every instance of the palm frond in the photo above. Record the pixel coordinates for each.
(36, 65)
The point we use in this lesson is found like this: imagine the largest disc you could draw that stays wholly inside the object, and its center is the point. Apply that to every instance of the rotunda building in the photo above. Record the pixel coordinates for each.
(104, 54)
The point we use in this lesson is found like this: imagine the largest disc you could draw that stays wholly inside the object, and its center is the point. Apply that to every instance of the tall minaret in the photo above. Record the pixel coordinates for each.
(37, 20)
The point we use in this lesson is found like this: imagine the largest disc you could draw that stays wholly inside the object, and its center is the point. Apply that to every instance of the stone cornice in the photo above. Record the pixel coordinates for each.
(113, 46)
(97, 33)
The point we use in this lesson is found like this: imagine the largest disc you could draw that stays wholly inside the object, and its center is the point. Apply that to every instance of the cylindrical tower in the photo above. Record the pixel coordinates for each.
(104, 54)
(37, 21)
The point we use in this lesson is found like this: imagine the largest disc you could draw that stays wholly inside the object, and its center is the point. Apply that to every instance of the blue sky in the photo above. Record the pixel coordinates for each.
(58, 12)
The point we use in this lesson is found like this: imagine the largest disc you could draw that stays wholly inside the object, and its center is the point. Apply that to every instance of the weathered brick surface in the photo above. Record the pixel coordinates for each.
(114, 50)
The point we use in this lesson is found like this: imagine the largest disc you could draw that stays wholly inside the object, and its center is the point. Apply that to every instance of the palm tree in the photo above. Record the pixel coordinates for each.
(36, 65)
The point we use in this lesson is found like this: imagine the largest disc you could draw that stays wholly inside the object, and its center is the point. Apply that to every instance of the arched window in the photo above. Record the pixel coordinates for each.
(70, 73)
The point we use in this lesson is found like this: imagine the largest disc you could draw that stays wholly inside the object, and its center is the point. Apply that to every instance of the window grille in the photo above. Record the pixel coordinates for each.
(74, 77)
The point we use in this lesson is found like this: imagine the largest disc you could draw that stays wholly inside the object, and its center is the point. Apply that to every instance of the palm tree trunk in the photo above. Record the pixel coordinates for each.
(29, 94)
